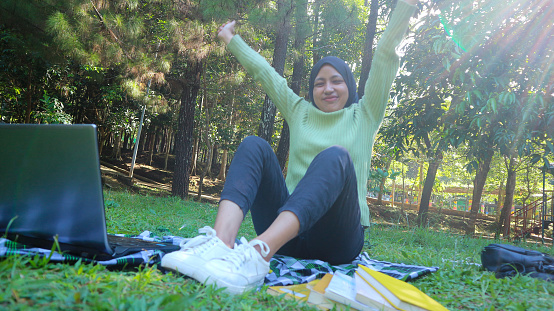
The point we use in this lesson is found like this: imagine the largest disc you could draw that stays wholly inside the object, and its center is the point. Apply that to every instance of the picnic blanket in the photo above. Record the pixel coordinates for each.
(150, 257)
(284, 270)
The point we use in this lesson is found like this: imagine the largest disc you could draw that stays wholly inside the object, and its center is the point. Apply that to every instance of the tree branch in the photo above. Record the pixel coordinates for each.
(109, 30)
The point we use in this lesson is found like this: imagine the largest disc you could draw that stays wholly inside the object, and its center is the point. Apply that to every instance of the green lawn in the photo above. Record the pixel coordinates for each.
(30, 283)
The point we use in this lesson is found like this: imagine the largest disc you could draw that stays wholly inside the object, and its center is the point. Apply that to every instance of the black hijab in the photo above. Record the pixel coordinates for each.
(344, 71)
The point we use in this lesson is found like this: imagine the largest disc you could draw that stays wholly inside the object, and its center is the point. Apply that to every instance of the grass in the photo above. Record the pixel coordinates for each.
(460, 284)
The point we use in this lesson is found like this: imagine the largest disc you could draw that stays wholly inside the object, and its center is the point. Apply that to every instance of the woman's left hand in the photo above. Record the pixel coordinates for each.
(227, 31)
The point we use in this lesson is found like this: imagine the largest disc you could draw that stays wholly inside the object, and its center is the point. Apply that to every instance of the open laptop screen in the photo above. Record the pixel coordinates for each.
(50, 185)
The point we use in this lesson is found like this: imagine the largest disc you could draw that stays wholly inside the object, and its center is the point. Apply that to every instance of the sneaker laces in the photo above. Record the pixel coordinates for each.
(246, 251)
(200, 240)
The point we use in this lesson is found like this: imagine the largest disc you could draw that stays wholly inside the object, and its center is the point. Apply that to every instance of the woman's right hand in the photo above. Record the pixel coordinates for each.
(226, 31)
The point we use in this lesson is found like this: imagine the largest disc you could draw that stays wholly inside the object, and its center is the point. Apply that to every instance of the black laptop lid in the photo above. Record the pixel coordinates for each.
(50, 185)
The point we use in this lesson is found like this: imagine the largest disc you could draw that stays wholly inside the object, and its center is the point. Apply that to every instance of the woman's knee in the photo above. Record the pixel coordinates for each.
(336, 157)
(254, 142)
(336, 153)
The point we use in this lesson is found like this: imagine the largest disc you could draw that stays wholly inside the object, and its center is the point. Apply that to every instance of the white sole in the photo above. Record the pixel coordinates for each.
(231, 288)
(187, 270)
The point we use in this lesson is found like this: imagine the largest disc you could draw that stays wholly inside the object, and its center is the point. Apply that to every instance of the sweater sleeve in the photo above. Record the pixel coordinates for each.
(274, 85)
(385, 63)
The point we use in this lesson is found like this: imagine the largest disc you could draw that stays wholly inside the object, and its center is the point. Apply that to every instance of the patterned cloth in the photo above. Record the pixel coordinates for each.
(284, 270)
(149, 257)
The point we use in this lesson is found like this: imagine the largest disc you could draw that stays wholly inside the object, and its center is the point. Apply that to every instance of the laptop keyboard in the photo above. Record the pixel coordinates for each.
(116, 241)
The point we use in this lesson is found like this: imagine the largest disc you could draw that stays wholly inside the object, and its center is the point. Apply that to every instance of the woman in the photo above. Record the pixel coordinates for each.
(320, 210)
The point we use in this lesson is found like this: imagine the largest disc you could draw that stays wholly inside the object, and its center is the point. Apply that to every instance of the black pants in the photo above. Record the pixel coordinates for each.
(325, 200)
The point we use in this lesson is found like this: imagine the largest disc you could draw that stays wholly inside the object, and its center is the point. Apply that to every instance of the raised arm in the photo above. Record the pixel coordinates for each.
(386, 61)
(274, 85)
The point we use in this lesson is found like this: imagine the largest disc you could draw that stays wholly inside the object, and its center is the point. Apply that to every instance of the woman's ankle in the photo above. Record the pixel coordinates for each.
(228, 221)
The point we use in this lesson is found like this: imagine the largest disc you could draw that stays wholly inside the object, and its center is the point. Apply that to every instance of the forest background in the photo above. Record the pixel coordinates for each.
(473, 103)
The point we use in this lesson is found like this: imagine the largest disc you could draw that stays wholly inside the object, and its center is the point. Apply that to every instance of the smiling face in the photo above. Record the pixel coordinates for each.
(330, 91)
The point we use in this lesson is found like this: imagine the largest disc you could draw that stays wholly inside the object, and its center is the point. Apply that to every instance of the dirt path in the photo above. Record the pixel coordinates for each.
(114, 177)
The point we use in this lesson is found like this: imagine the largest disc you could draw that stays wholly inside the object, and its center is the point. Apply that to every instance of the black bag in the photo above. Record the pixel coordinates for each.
(508, 260)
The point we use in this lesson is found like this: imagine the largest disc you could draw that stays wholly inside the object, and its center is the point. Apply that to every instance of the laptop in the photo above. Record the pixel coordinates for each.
(50, 185)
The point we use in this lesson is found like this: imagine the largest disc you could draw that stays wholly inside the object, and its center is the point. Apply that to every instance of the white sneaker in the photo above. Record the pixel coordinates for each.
(194, 253)
(241, 269)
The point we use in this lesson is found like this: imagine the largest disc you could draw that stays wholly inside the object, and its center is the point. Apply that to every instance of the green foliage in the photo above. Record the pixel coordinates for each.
(475, 78)
(53, 111)
(131, 214)
(88, 287)
(377, 176)
(486, 86)
(340, 31)
(481, 86)
(459, 283)
(67, 39)
(35, 283)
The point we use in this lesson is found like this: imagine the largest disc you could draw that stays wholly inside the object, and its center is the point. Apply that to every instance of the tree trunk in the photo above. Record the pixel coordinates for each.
(159, 138)
(478, 185)
(162, 139)
(392, 192)
(223, 166)
(169, 141)
(368, 46)
(118, 144)
(116, 151)
(403, 190)
(209, 149)
(283, 147)
(499, 202)
(143, 137)
(419, 183)
(267, 118)
(382, 184)
(167, 150)
(101, 140)
(531, 183)
(205, 172)
(166, 160)
(184, 137)
(316, 28)
(428, 189)
(381, 190)
(124, 143)
(151, 146)
(301, 30)
(30, 104)
(195, 155)
(208, 141)
(213, 162)
(504, 221)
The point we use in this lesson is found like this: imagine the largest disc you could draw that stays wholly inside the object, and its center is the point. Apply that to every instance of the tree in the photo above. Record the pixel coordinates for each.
(482, 67)
(421, 123)
(26, 66)
(298, 73)
(509, 82)
(189, 78)
(478, 186)
(267, 119)
(371, 29)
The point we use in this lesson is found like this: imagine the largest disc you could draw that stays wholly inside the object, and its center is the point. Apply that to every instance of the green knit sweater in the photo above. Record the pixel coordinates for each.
(353, 128)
